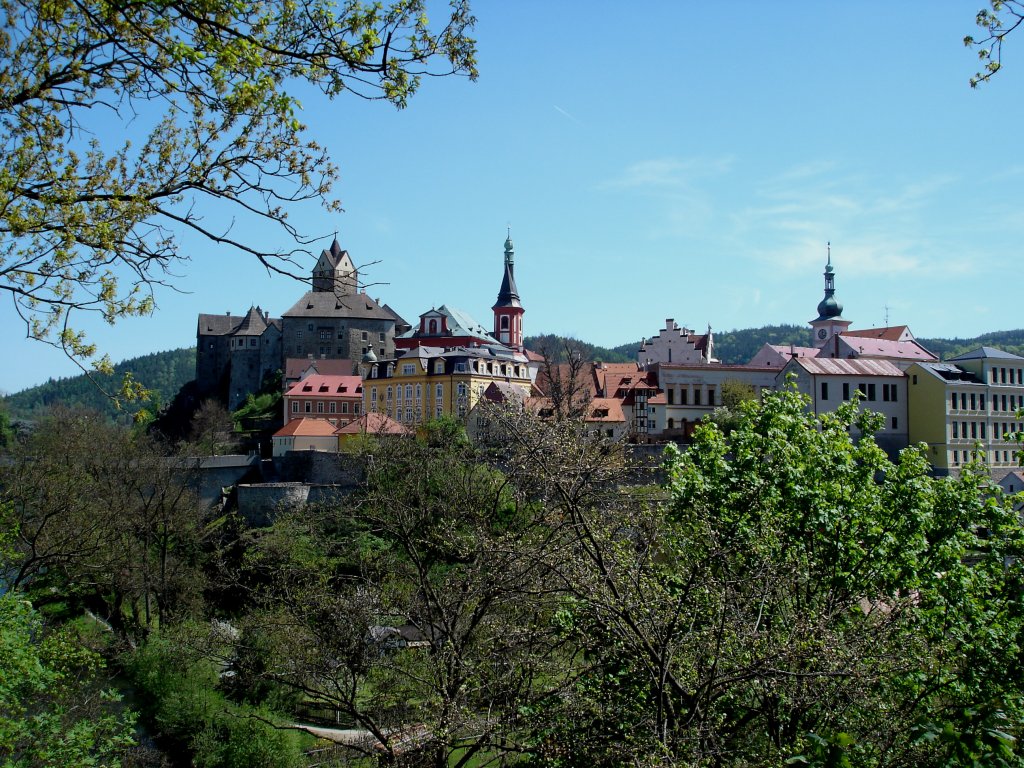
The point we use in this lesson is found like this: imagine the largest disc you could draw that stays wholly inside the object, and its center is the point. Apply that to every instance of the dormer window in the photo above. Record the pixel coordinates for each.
(432, 330)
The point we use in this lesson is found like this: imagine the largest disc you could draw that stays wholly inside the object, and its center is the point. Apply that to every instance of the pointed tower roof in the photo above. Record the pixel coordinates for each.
(508, 295)
(252, 324)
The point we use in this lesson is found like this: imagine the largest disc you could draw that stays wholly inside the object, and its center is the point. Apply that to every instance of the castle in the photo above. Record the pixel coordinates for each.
(333, 320)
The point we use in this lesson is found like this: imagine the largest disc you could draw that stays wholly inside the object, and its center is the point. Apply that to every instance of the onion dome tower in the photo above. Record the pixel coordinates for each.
(830, 322)
(508, 312)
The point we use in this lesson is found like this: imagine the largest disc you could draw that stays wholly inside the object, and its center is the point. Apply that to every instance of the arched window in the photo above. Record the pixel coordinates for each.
(504, 322)
(433, 327)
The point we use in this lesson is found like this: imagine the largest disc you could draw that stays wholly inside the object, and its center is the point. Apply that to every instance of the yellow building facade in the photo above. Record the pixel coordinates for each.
(429, 382)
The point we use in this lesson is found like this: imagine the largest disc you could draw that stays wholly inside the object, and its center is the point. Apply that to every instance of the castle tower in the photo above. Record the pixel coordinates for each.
(335, 273)
(830, 322)
(508, 312)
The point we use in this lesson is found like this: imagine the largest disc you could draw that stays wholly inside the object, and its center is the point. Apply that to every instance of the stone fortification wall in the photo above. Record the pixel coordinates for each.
(259, 504)
(210, 474)
(319, 468)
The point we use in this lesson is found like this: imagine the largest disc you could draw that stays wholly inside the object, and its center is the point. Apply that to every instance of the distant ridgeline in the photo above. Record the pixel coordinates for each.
(167, 372)
(162, 372)
(737, 347)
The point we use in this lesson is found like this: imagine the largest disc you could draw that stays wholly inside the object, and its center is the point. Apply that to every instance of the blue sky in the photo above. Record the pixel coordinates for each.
(666, 159)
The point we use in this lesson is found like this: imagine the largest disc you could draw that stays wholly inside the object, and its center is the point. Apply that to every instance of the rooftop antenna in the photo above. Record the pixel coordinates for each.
(887, 315)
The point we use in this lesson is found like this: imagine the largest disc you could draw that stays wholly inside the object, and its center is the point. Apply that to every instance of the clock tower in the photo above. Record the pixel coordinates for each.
(830, 322)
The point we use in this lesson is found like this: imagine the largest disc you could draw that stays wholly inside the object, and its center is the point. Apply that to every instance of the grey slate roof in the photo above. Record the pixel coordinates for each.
(987, 352)
(218, 325)
(459, 324)
(949, 372)
(327, 304)
(252, 324)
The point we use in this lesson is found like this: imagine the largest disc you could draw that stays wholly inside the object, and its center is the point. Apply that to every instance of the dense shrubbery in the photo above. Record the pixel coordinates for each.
(791, 595)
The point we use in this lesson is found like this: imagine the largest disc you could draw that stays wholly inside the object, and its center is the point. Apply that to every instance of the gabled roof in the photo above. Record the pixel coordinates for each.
(838, 366)
(306, 428)
(324, 385)
(986, 352)
(294, 367)
(892, 333)
(865, 346)
(218, 325)
(373, 424)
(328, 304)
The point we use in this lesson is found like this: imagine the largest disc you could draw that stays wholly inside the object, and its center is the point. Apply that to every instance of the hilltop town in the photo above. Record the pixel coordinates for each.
(351, 364)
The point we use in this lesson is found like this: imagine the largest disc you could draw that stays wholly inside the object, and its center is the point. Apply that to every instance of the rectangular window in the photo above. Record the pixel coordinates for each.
(914, 379)
(952, 401)
(355, 408)
(983, 426)
(298, 335)
(824, 390)
(956, 430)
(1002, 375)
(995, 375)
(295, 406)
(963, 401)
(696, 397)
(871, 392)
(846, 390)
(981, 402)
(711, 395)
(408, 369)
(974, 402)
(373, 394)
(309, 407)
(332, 407)
(366, 336)
(683, 393)
(344, 407)
(895, 422)
(319, 406)
(408, 392)
(670, 393)
(419, 392)
(974, 430)
(381, 337)
(325, 334)
(439, 366)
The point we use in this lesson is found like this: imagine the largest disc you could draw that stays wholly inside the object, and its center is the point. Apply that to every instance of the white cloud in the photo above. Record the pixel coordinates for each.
(667, 173)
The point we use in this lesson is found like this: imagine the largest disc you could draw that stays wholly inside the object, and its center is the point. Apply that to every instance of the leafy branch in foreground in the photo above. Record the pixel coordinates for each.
(90, 220)
(999, 20)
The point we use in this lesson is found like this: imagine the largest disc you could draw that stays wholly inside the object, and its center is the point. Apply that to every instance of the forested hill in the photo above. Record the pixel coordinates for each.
(736, 347)
(167, 372)
(162, 372)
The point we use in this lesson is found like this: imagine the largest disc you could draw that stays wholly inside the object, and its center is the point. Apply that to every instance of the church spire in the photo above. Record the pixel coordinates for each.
(508, 312)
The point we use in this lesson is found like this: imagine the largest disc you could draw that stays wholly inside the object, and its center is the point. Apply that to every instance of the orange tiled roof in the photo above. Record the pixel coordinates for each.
(306, 428)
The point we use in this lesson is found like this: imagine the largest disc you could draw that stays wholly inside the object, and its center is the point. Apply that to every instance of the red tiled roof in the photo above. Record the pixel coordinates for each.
(320, 385)
(892, 333)
(374, 424)
(296, 366)
(605, 409)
